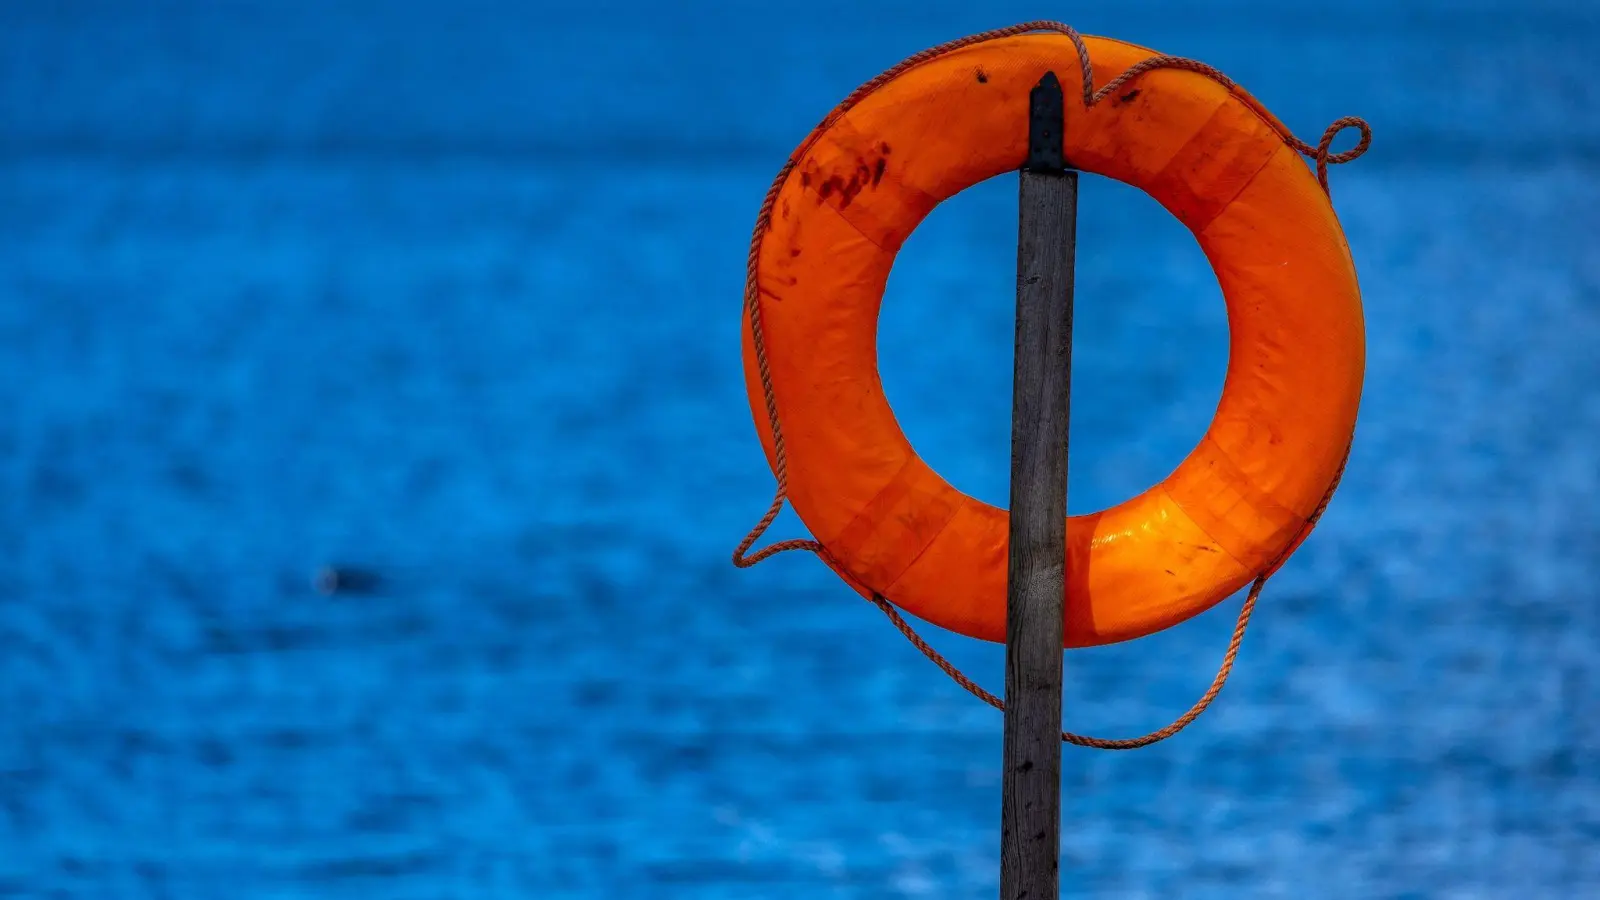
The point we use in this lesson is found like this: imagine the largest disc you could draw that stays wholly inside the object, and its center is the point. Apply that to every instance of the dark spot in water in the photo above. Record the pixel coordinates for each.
(332, 580)
(1129, 96)
(877, 170)
(983, 77)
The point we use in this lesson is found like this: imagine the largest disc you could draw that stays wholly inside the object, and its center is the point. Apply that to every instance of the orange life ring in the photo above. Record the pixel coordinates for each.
(1213, 157)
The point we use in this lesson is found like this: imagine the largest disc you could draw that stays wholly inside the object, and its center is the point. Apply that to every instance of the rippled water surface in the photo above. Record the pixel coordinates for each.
(450, 292)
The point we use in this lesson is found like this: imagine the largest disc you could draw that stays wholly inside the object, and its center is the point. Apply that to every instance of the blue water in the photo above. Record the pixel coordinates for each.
(450, 292)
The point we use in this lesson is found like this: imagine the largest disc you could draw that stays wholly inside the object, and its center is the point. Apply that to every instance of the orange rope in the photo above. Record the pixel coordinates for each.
(1321, 153)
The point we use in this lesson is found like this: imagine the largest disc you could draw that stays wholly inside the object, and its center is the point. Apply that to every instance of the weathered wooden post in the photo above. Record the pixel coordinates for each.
(1030, 841)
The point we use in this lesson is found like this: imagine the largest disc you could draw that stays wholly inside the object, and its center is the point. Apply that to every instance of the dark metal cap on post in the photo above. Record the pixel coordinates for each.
(1046, 121)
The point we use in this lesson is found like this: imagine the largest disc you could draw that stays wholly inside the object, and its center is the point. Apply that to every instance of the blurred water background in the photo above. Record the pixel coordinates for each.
(450, 292)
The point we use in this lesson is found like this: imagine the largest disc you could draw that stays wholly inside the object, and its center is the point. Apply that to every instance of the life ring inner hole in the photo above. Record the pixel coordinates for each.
(1150, 342)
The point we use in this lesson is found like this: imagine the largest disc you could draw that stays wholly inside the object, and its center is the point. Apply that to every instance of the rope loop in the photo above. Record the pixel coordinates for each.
(1324, 158)
(743, 558)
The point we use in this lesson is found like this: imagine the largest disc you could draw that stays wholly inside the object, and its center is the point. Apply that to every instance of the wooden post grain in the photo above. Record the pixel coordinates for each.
(1047, 225)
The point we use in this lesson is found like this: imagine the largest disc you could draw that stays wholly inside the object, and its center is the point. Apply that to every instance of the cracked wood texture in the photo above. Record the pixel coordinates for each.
(1031, 804)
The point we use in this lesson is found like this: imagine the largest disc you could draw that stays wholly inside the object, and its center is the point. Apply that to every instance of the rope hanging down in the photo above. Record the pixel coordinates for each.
(742, 557)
